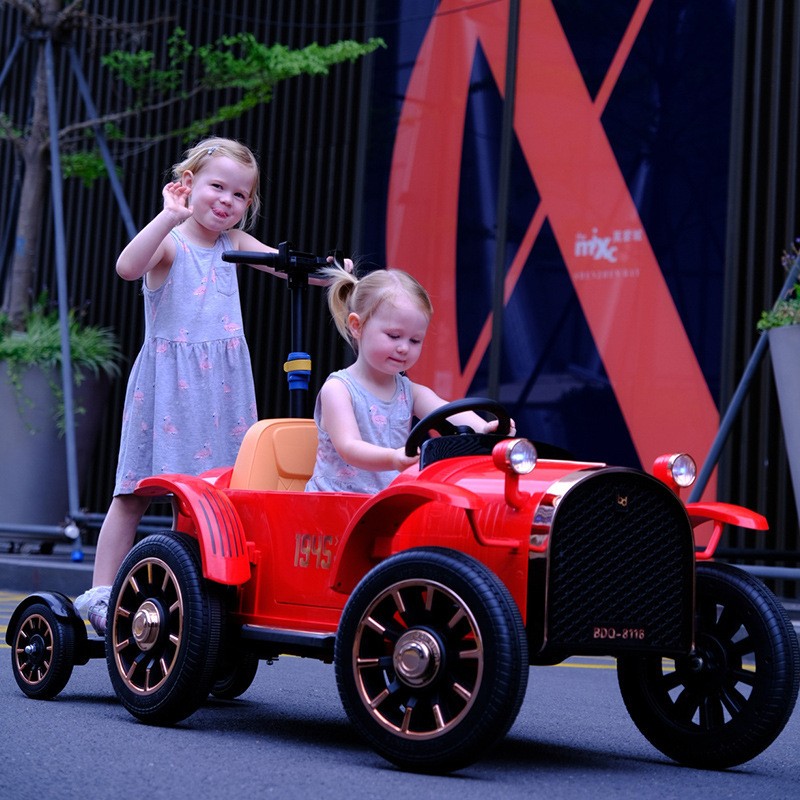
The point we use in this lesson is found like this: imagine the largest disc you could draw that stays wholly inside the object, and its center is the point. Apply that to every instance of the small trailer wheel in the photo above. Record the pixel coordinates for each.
(42, 652)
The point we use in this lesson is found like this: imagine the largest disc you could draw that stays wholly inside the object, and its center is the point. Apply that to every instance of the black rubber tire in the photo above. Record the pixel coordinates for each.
(42, 652)
(464, 669)
(165, 622)
(235, 674)
(729, 700)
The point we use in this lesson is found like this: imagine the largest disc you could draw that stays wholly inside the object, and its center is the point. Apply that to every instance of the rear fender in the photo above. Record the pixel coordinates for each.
(368, 538)
(57, 602)
(722, 514)
(214, 522)
(65, 612)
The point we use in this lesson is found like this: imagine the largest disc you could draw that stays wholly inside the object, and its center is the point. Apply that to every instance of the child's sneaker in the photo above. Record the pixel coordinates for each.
(93, 604)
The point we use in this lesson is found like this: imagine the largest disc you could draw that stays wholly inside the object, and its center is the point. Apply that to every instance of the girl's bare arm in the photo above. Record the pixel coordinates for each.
(148, 250)
(340, 423)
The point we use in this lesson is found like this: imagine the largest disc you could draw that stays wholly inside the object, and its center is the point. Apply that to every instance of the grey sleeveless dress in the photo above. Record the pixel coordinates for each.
(190, 396)
(382, 422)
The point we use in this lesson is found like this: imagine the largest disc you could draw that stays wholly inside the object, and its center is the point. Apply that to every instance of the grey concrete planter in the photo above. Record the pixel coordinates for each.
(784, 347)
(33, 462)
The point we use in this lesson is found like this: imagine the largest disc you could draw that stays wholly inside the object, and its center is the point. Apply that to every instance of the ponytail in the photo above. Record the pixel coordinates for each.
(348, 294)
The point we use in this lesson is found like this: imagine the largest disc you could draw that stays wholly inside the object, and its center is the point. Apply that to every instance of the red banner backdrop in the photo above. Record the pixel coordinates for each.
(648, 358)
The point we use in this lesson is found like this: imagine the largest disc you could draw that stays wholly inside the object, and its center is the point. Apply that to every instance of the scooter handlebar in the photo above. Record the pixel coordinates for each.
(287, 260)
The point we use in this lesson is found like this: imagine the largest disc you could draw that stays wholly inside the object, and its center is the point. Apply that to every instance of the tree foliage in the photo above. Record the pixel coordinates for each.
(234, 74)
(238, 62)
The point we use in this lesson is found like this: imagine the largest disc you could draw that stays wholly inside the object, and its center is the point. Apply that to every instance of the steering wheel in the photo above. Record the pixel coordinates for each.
(437, 421)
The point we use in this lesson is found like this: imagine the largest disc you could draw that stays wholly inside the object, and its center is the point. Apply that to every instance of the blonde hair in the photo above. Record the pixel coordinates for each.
(198, 157)
(348, 294)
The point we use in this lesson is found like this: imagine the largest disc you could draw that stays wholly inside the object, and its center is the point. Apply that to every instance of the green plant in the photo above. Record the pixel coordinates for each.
(94, 350)
(786, 310)
(223, 80)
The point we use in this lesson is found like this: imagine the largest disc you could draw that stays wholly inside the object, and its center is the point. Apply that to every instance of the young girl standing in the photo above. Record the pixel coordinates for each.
(364, 412)
(190, 396)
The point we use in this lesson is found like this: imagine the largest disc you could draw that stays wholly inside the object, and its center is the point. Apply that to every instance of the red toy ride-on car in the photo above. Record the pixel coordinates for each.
(433, 597)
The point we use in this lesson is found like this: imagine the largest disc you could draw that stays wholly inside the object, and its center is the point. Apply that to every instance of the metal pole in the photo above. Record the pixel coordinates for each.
(61, 282)
(102, 144)
(74, 511)
(10, 60)
(778, 573)
(7, 235)
(739, 395)
(504, 178)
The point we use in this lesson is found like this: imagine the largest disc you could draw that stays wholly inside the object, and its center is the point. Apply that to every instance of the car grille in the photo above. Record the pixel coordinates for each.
(620, 567)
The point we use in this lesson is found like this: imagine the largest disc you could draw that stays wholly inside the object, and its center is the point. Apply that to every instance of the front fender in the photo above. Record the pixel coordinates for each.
(219, 531)
(722, 514)
(382, 516)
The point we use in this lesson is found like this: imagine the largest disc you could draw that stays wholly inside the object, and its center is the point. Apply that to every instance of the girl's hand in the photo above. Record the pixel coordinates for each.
(176, 201)
(401, 461)
(492, 426)
(347, 266)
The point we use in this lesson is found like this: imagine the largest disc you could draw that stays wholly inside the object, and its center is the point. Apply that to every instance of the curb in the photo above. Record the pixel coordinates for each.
(21, 572)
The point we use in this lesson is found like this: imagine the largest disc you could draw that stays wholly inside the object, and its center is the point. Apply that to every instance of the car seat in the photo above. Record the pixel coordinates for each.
(276, 455)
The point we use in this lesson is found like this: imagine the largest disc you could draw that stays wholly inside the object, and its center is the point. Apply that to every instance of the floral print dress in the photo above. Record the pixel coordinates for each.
(190, 396)
(382, 422)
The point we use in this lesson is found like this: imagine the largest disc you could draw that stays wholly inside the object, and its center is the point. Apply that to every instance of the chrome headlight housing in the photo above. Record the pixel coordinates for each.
(677, 470)
(515, 455)
(683, 470)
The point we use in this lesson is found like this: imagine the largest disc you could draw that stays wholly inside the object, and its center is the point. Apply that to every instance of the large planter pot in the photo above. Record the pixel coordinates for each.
(33, 466)
(784, 348)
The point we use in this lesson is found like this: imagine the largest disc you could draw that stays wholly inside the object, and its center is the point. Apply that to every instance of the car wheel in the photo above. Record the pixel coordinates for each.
(728, 700)
(235, 674)
(165, 622)
(431, 659)
(42, 652)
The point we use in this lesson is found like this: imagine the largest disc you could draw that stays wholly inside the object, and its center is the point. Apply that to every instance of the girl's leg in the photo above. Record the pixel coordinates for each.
(116, 539)
(116, 536)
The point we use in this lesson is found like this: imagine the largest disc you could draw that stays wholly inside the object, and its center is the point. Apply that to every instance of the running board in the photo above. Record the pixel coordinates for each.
(269, 643)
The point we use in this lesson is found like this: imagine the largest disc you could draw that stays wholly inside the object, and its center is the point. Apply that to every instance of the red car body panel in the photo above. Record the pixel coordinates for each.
(296, 556)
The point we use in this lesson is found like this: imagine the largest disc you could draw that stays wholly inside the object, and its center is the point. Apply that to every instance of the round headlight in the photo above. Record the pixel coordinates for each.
(521, 456)
(683, 470)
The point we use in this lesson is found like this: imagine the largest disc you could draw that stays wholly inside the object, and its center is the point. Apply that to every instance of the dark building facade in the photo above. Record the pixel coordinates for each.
(696, 107)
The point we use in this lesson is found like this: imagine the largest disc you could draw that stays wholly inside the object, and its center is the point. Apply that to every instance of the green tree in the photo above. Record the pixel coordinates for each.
(237, 72)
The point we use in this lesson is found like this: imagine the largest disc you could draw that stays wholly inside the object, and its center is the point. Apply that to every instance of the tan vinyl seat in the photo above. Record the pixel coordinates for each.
(276, 455)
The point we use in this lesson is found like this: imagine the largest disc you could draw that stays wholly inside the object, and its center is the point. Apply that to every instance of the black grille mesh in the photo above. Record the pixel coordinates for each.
(620, 567)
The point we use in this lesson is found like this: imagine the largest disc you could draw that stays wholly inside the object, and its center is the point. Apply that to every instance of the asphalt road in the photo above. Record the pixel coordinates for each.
(288, 737)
